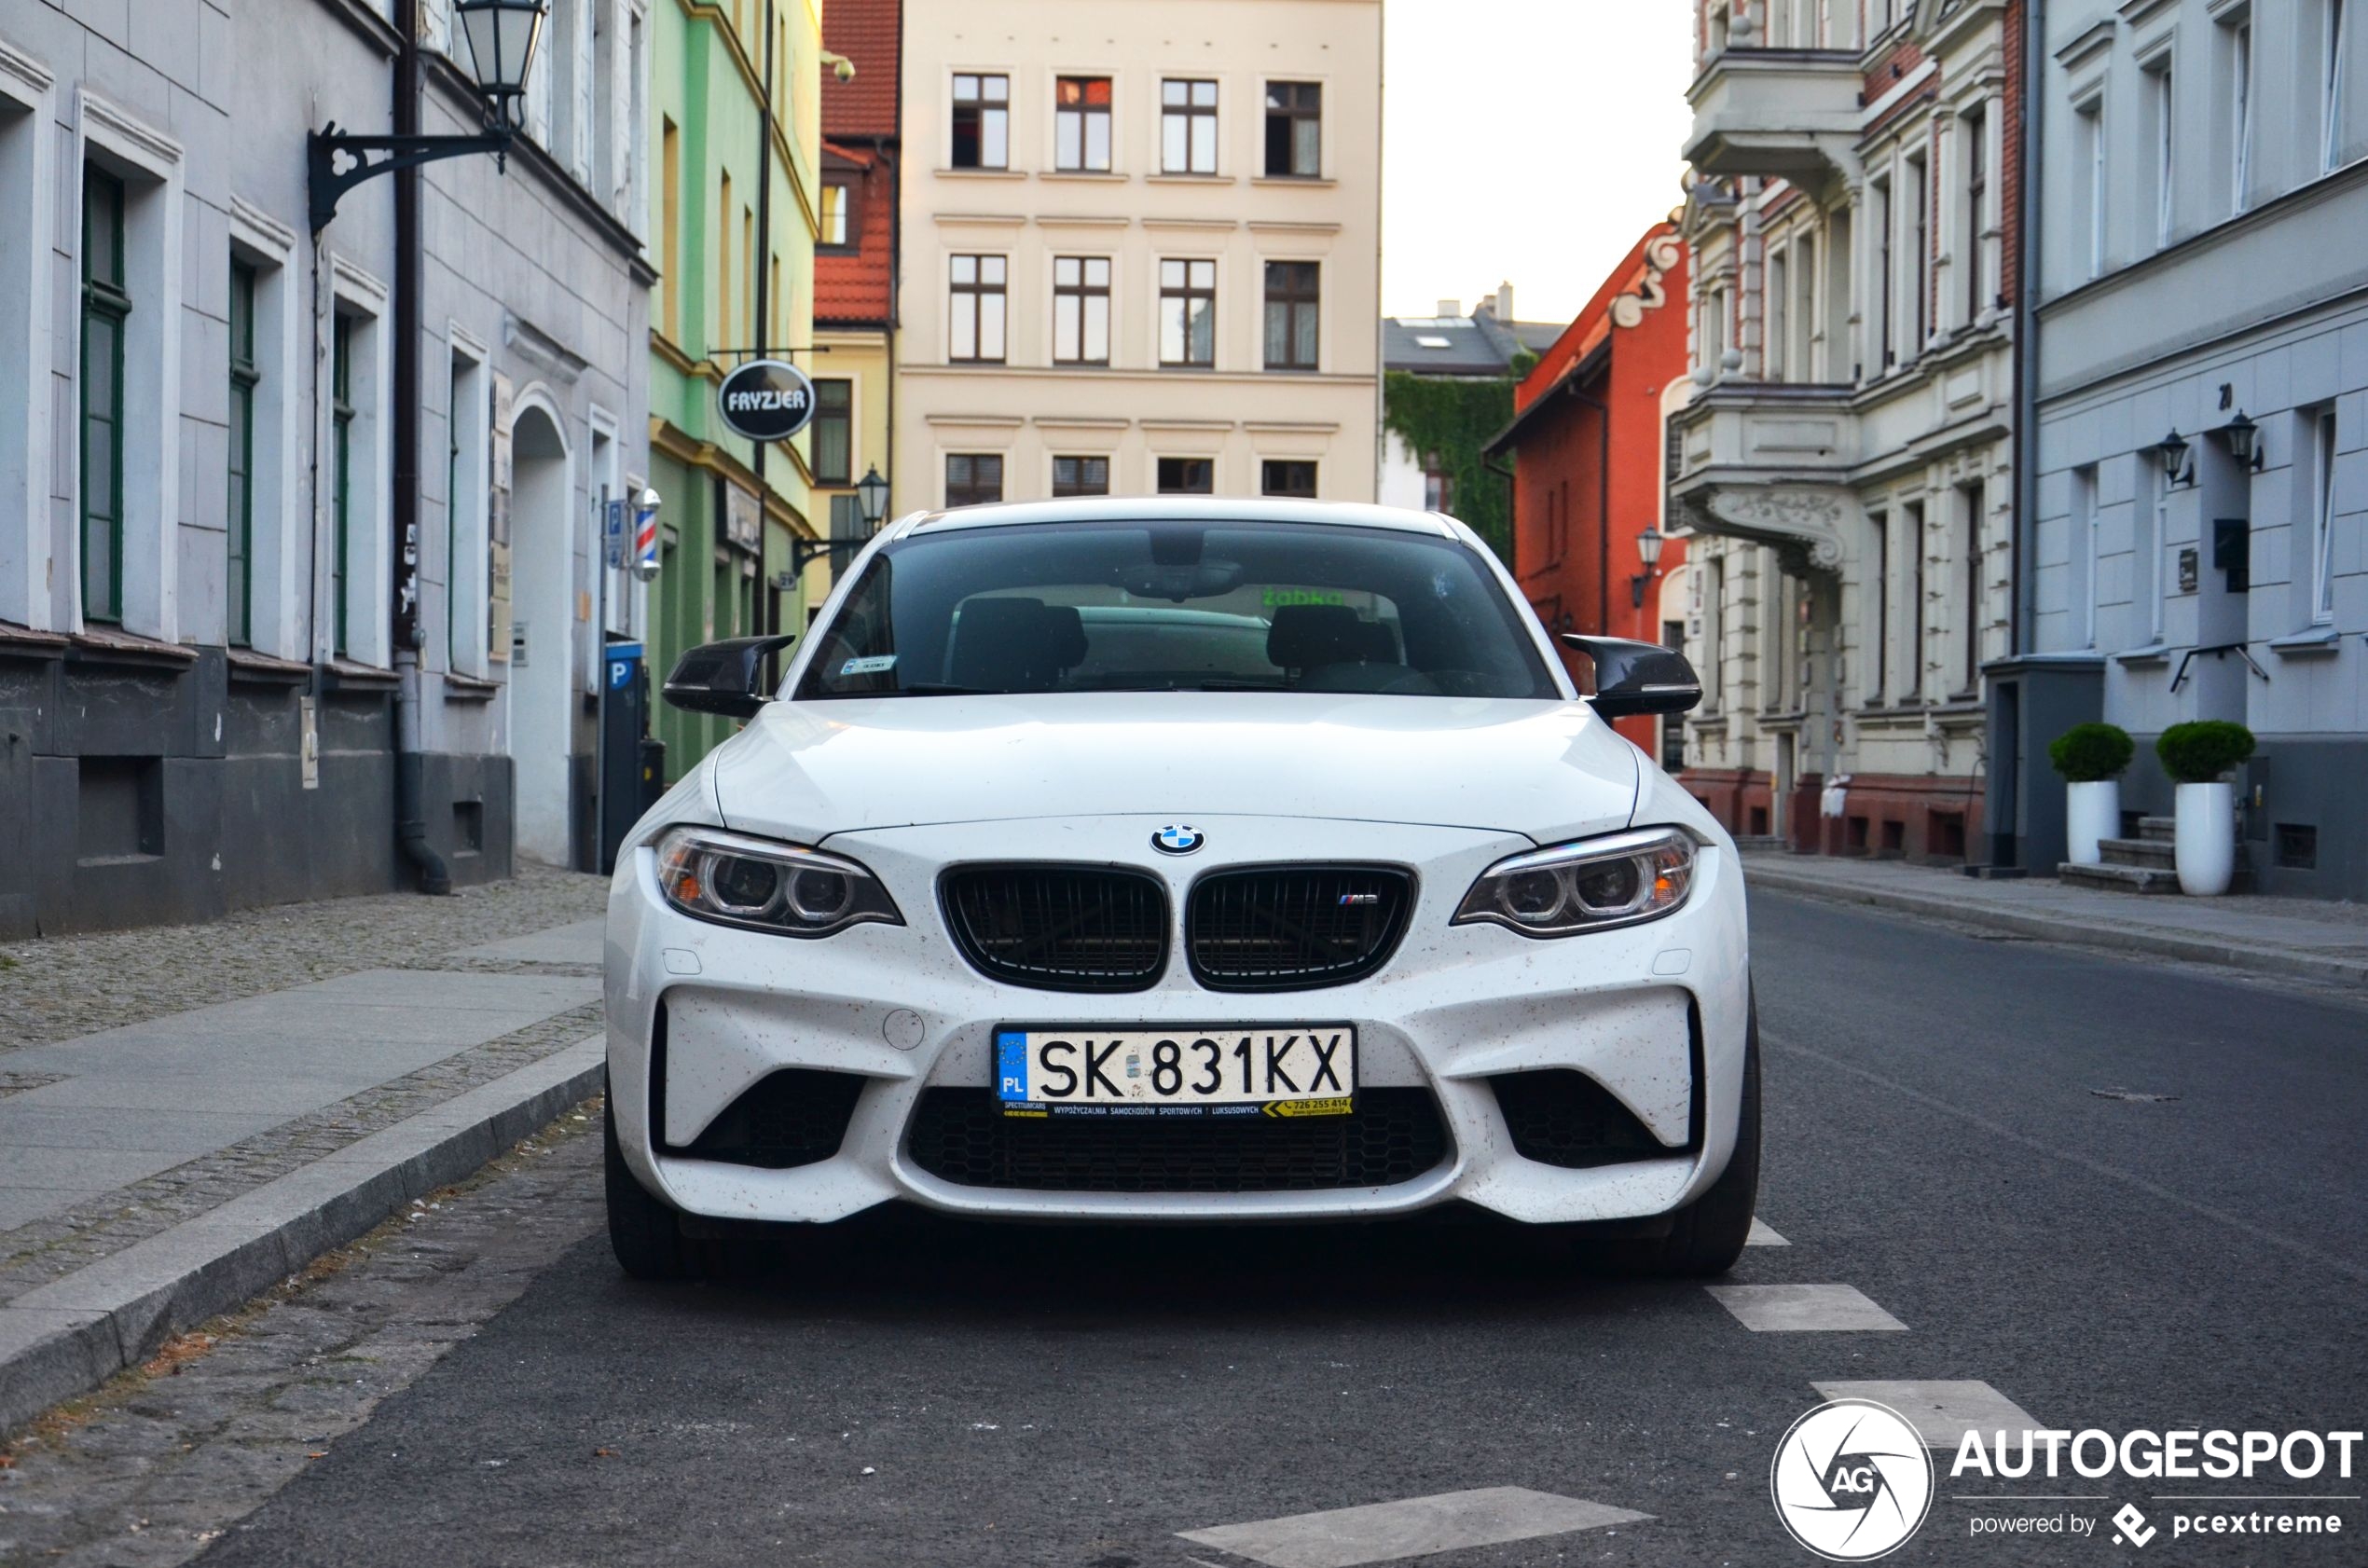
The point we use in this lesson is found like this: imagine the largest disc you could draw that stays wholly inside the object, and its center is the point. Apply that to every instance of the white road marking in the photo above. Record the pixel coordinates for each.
(1762, 1236)
(1943, 1412)
(1777, 1308)
(1413, 1527)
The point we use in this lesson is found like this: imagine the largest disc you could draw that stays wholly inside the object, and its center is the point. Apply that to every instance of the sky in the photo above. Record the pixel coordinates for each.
(1525, 140)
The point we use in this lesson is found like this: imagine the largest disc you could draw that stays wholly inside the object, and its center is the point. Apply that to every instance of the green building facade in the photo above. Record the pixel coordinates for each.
(728, 514)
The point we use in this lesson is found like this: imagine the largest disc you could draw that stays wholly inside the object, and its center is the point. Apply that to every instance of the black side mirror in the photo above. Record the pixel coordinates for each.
(724, 677)
(1632, 678)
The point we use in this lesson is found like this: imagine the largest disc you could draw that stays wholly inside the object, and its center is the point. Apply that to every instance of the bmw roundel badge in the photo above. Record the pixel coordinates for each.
(1176, 838)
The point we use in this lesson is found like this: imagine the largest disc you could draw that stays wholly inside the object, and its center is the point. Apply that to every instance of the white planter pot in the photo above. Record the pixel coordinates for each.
(2204, 848)
(2092, 811)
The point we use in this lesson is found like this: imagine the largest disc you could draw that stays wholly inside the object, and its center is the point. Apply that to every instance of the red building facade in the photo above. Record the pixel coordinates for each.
(1586, 440)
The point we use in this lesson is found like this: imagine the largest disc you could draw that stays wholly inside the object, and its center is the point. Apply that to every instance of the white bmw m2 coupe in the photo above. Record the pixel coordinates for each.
(1177, 859)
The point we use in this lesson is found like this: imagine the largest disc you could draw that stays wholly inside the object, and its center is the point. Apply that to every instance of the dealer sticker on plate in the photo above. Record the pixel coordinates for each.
(1278, 1070)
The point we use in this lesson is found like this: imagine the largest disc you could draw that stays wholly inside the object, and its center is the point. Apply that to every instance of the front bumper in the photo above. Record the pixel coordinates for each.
(1655, 1013)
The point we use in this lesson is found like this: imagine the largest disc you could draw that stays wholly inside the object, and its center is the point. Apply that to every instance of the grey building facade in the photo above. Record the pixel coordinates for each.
(2203, 192)
(201, 553)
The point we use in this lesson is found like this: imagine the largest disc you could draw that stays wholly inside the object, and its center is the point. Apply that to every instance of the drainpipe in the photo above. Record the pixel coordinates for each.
(2026, 364)
(410, 811)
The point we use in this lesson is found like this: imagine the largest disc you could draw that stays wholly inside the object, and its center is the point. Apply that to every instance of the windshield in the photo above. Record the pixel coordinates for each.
(1175, 605)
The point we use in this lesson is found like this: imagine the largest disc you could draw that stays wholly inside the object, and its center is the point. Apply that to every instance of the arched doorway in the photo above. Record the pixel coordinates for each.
(542, 635)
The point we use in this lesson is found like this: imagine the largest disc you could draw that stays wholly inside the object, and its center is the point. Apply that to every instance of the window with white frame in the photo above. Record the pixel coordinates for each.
(2322, 520)
(1878, 193)
(468, 429)
(2163, 133)
(1779, 293)
(1801, 357)
(976, 309)
(355, 474)
(2083, 553)
(2153, 527)
(2236, 56)
(1972, 501)
(2089, 142)
(1974, 245)
(2331, 83)
(1918, 239)
(1878, 589)
(29, 346)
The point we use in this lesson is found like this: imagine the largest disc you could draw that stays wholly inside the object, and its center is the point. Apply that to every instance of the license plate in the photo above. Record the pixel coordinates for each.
(1280, 1070)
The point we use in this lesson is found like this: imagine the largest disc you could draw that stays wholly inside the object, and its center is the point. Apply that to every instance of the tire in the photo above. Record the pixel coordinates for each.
(645, 1235)
(1707, 1235)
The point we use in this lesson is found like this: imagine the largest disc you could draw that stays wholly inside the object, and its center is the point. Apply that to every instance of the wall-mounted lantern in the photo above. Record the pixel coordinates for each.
(2172, 449)
(2244, 441)
(1648, 551)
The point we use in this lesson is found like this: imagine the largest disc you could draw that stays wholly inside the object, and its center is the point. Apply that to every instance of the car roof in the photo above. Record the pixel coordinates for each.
(1180, 508)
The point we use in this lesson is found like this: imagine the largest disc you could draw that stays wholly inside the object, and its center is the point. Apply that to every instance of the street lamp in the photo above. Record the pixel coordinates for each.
(2244, 440)
(501, 36)
(871, 498)
(870, 505)
(2173, 451)
(1648, 550)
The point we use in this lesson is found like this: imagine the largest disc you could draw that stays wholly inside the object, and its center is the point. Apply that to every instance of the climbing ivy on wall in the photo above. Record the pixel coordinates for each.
(1454, 418)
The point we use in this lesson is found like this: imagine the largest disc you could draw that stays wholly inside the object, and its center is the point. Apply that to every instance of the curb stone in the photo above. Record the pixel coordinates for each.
(2053, 928)
(66, 1338)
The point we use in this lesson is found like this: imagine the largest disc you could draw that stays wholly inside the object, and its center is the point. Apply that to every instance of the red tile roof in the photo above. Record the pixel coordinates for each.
(868, 33)
(852, 286)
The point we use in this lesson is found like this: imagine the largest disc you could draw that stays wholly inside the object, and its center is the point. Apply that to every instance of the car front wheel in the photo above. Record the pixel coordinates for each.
(1707, 1235)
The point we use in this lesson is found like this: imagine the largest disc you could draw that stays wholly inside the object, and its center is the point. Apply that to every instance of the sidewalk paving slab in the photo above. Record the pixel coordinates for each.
(2290, 937)
(63, 1338)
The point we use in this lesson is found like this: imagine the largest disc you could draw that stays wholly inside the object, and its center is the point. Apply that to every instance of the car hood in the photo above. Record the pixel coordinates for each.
(806, 770)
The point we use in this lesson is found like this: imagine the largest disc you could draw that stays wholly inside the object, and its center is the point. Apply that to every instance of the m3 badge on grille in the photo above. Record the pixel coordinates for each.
(1176, 838)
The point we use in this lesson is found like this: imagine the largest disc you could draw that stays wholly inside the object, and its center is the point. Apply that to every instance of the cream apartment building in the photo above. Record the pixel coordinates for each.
(1139, 249)
(1845, 458)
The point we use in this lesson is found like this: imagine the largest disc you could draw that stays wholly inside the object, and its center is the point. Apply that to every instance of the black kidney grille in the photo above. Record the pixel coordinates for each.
(796, 1116)
(961, 1135)
(1290, 928)
(1562, 1116)
(1060, 927)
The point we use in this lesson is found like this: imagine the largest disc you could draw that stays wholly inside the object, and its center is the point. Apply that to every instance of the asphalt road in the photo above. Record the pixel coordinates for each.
(923, 1393)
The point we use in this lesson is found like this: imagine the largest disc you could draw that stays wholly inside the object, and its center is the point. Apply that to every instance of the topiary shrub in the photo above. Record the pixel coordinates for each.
(2087, 753)
(2203, 750)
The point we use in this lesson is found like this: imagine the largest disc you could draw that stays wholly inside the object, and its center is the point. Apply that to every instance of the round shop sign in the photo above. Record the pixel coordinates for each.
(765, 400)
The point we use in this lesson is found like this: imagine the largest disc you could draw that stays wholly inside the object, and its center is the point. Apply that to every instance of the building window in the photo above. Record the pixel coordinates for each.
(1295, 130)
(1884, 268)
(836, 200)
(2166, 141)
(1976, 249)
(2323, 524)
(1293, 477)
(1798, 364)
(2085, 553)
(1081, 310)
(1919, 256)
(972, 478)
(1081, 476)
(833, 432)
(1081, 125)
(1292, 294)
(237, 587)
(2091, 143)
(977, 306)
(105, 306)
(1188, 127)
(340, 472)
(1779, 296)
(2240, 112)
(670, 228)
(1972, 500)
(1911, 679)
(2331, 91)
(1187, 312)
(1438, 486)
(1879, 589)
(982, 122)
(1188, 476)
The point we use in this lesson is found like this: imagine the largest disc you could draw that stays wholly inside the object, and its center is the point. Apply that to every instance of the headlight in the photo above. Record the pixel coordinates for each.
(1623, 879)
(734, 880)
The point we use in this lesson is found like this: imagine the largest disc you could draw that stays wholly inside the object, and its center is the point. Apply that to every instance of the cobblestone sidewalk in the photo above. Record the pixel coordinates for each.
(58, 987)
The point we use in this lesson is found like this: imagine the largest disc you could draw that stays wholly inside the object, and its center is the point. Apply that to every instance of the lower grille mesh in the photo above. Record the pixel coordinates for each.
(961, 1135)
(1562, 1116)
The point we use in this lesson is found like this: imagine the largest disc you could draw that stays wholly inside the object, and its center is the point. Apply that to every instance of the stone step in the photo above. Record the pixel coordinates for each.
(2163, 829)
(1759, 841)
(2158, 853)
(2120, 879)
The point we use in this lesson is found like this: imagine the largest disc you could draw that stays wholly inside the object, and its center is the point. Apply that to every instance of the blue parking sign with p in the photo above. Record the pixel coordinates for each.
(1011, 1065)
